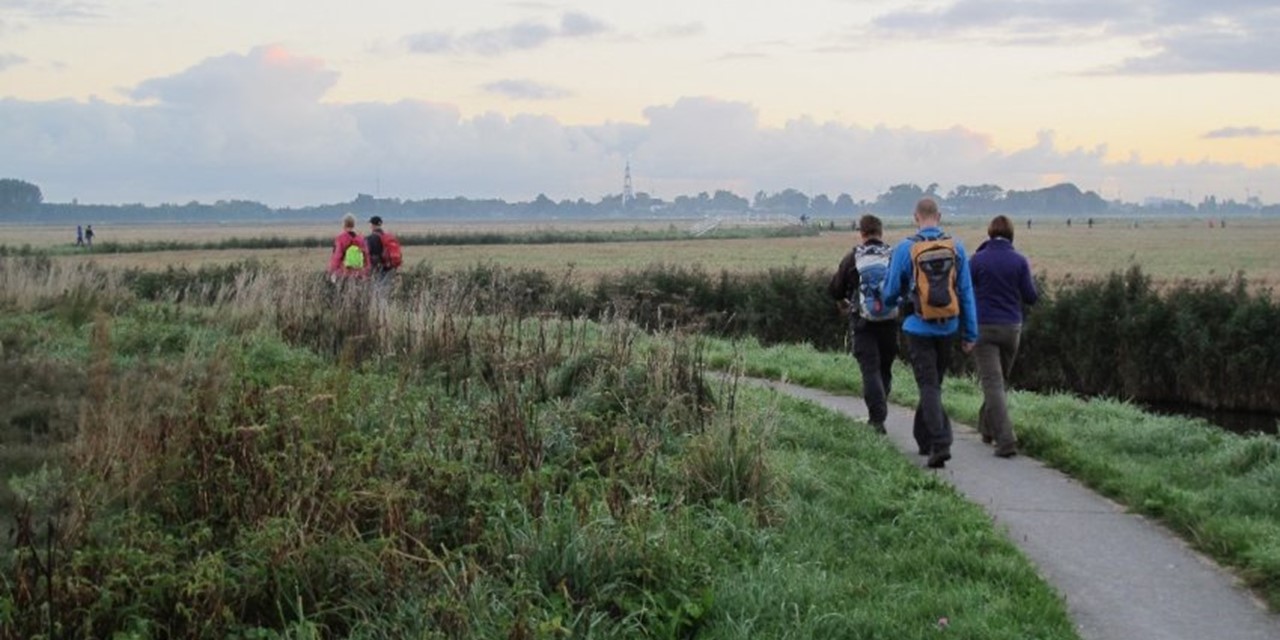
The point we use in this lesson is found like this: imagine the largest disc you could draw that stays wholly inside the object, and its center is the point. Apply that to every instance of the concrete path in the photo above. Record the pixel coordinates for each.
(1123, 577)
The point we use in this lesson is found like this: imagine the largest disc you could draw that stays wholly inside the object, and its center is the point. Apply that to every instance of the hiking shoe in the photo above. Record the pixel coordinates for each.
(1006, 452)
(924, 451)
(987, 439)
(938, 459)
(878, 427)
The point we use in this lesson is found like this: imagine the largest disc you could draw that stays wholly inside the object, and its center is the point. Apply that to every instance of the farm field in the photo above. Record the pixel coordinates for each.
(1169, 250)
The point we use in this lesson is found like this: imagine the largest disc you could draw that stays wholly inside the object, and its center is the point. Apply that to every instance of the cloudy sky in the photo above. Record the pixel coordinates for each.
(306, 101)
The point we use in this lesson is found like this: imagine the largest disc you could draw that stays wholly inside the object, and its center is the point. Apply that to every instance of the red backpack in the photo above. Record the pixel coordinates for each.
(392, 258)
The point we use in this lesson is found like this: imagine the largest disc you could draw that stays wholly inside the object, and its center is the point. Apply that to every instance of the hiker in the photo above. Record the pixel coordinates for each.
(384, 251)
(932, 270)
(350, 257)
(88, 236)
(873, 325)
(1001, 285)
(79, 236)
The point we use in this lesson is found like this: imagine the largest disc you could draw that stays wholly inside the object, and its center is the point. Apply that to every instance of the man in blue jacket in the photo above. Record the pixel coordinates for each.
(950, 308)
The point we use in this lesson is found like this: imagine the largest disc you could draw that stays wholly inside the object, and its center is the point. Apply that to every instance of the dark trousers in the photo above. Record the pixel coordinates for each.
(875, 347)
(994, 354)
(930, 357)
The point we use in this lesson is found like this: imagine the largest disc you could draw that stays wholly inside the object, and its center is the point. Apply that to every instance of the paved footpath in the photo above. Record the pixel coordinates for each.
(1123, 577)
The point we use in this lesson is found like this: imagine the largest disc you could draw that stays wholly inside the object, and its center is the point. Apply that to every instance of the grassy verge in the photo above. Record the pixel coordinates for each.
(1215, 489)
(275, 465)
(869, 547)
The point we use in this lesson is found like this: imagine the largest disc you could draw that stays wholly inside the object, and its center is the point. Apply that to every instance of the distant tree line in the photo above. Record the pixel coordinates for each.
(23, 201)
(18, 194)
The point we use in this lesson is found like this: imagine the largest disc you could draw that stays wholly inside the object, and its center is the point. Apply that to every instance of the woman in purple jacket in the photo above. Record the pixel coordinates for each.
(1001, 284)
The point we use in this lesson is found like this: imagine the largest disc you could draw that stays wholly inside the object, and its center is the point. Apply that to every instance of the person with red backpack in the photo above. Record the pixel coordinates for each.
(350, 257)
(384, 250)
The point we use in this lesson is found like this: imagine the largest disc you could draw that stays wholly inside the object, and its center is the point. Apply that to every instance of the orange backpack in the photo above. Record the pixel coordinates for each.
(933, 265)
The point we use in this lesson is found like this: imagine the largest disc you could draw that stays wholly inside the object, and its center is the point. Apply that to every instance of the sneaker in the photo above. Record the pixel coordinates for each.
(938, 459)
(878, 427)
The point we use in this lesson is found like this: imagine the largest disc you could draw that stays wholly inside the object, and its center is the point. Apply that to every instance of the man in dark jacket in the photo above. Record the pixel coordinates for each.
(379, 256)
(874, 330)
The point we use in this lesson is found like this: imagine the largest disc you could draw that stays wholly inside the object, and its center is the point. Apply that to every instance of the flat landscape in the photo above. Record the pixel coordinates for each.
(1170, 249)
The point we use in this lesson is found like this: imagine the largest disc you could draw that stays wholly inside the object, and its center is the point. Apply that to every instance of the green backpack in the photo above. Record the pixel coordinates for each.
(353, 257)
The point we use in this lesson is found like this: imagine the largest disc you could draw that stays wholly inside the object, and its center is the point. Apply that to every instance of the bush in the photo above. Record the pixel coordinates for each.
(1211, 343)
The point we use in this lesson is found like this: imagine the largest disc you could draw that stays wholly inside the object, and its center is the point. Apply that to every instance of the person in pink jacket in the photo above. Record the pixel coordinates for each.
(350, 257)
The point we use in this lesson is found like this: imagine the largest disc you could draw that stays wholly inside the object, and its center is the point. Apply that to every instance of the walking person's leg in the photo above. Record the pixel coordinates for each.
(987, 360)
(993, 356)
(1008, 339)
(867, 352)
(930, 426)
(945, 347)
(887, 340)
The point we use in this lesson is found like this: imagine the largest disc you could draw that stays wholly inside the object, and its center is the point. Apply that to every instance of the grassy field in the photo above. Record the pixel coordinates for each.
(1169, 250)
(279, 464)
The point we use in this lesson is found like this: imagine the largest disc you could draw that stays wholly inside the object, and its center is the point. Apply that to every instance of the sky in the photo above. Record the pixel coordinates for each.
(293, 102)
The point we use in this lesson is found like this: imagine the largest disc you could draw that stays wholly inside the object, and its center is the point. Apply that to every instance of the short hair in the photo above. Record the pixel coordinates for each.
(1000, 227)
(870, 225)
(927, 208)
(349, 221)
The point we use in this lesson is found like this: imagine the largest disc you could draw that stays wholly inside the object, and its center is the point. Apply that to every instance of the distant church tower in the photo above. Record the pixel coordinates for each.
(628, 194)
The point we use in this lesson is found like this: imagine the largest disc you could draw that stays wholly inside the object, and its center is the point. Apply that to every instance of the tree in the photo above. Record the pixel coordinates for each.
(901, 199)
(821, 205)
(16, 194)
(844, 205)
(788, 201)
(729, 201)
(542, 205)
(983, 198)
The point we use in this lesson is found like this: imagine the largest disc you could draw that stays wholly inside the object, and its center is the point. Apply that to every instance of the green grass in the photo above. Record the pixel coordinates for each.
(1214, 488)
(224, 477)
(870, 547)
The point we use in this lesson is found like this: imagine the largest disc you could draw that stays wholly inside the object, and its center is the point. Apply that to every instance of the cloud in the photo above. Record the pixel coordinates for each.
(1181, 36)
(1241, 132)
(256, 125)
(269, 74)
(1003, 21)
(50, 10)
(1218, 49)
(742, 55)
(526, 90)
(521, 36)
(576, 25)
(675, 31)
(429, 42)
(10, 60)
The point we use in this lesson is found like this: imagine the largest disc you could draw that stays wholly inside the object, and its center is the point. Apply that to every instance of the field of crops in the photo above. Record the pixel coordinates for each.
(1169, 250)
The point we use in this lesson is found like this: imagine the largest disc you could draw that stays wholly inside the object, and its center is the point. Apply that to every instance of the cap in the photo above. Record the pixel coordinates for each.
(375, 220)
